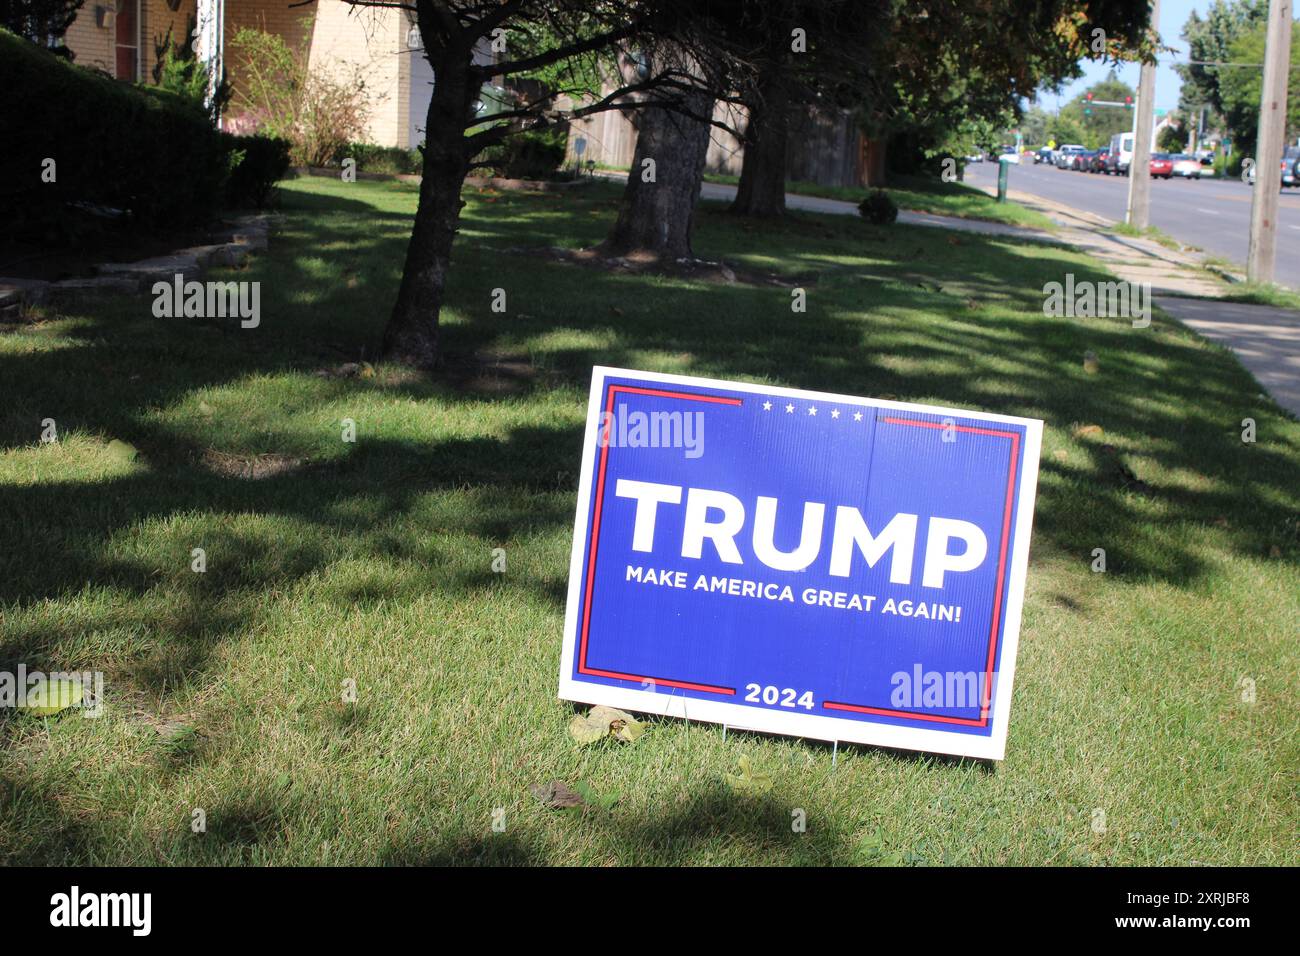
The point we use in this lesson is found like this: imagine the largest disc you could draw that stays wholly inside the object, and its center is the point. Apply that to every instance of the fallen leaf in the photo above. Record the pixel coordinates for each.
(51, 696)
(601, 722)
(746, 781)
(555, 795)
(585, 731)
(1083, 430)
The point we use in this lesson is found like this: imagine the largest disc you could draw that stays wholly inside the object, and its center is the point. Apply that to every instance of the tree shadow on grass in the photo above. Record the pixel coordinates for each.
(1150, 392)
(714, 825)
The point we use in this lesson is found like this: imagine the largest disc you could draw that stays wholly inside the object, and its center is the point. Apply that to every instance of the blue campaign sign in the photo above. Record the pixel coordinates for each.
(800, 563)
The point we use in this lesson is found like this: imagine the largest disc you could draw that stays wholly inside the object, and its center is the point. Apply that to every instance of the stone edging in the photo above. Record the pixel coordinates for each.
(233, 244)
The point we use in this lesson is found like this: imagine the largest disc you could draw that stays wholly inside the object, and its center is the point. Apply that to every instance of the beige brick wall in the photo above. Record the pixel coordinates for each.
(340, 37)
(95, 47)
(91, 46)
(269, 16)
(345, 38)
(155, 20)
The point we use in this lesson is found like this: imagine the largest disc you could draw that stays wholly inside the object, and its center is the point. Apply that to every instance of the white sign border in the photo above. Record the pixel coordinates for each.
(812, 726)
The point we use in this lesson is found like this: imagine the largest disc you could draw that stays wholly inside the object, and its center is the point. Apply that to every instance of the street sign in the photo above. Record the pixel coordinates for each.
(800, 563)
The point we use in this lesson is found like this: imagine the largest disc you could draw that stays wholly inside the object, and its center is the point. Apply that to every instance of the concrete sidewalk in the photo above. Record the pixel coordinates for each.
(1264, 338)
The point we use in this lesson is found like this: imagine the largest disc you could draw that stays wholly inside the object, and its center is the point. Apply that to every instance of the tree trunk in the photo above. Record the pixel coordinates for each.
(411, 336)
(762, 173)
(656, 215)
(875, 164)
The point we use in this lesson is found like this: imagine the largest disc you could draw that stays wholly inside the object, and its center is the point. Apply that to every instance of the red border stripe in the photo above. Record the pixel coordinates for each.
(612, 390)
(997, 597)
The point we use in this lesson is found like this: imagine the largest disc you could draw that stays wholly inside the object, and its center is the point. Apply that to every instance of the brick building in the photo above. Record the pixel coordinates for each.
(121, 38)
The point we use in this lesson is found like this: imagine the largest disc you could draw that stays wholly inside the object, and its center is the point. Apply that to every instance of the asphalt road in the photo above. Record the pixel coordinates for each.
(1213, 215)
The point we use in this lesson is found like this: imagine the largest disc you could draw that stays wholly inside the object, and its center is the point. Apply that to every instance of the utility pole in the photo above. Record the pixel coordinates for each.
(1138, 214)
(1272, 122)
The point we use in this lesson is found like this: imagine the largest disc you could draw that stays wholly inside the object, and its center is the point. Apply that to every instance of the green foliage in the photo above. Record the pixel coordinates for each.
(1172, 139)
(178, 70)
(144, 151)
(969, 136)
(961, 62)
(318, 112)
(1240, 89)
(40, 20)
(1066, 129)
(1103, 122)
(878, 209)
(1210, 40)
(536, 154)
(381, 159)
(1229, 166)
(257, 164)
(1033, 126)
(121, 153)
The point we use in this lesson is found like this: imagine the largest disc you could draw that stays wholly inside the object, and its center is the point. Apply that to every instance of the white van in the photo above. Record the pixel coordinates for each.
(1121, 153)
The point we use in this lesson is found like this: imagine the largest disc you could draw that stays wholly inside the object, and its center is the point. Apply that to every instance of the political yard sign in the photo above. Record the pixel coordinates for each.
(800, 563)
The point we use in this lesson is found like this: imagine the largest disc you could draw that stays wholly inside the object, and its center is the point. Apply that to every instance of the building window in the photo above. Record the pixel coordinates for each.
(127, 24)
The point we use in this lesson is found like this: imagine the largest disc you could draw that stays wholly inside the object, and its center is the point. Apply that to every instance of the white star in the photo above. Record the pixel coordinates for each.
(789, 408)
(835, 413)
(857, 416)
(767, 406)
(812, 410)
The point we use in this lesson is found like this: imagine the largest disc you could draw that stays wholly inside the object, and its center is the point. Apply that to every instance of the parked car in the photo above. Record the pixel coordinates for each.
(1009, 155)
(1161, 166)
(1045, 155)
(1098, 162)
(1065, 154)
(1081, 160)
(1291, 166)
(1187, 167)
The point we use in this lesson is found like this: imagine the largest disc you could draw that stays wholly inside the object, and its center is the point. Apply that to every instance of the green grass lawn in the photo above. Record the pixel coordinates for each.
(371, 561)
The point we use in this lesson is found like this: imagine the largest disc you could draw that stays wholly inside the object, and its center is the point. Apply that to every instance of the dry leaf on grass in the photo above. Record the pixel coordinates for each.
(747, 781)
(601, 722)
(555, 795)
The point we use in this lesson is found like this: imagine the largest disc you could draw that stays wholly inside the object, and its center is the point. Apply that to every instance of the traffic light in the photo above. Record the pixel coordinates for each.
(1128, 102)
(1087, 106)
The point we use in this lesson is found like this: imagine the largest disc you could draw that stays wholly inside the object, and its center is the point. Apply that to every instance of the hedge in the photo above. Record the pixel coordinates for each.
(115, 146)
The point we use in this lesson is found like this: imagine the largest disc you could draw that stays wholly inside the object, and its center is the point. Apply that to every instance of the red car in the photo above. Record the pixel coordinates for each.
(1162, 166)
